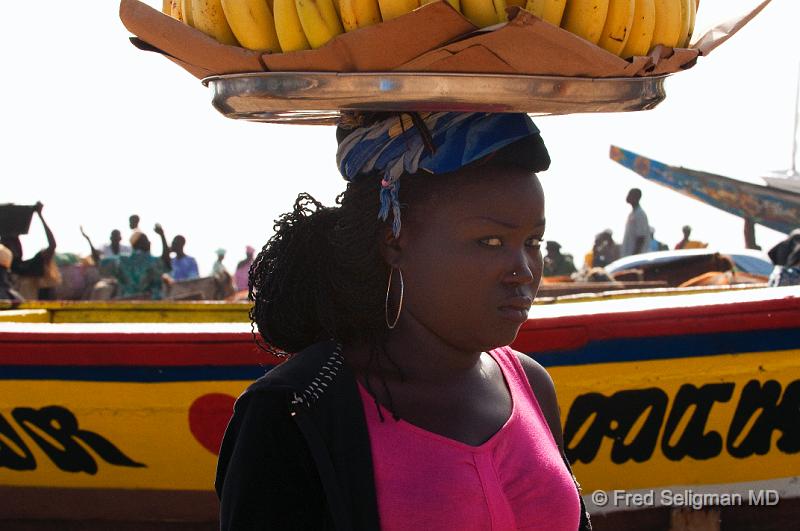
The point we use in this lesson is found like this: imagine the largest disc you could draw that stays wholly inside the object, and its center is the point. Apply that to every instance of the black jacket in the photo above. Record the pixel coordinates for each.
(296, 453)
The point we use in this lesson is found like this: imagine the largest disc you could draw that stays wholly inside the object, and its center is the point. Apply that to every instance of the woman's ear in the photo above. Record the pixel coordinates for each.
(391, 248)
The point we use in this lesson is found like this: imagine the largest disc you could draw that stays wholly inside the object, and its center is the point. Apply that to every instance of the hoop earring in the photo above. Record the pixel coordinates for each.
(400, 306)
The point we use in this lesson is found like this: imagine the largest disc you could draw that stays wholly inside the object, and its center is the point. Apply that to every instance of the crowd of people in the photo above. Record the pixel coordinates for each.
(639, 237)
(118, 269)
(126, 268)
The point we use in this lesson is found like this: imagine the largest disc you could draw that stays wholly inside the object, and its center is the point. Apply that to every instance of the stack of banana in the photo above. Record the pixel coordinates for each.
(623, 27)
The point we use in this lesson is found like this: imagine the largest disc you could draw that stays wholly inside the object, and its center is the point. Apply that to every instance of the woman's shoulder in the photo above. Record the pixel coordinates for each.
(307, 381)
(537, 375)
(297, 372)
(543, 389)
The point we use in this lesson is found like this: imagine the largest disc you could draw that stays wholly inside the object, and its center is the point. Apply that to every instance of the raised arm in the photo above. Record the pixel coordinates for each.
(164, 248)
(95, 252)
(51, 240)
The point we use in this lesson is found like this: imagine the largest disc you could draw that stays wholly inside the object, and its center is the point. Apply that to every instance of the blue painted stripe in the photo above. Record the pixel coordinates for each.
(668, 347)
(596, 352)
(130, 373)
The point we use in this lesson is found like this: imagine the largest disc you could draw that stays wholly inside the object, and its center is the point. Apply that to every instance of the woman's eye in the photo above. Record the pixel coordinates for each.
(492, 242)
(534, 242)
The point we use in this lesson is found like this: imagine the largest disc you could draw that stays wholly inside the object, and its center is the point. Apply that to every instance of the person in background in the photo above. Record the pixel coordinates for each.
(656, 245)
(224, 280)
(241, 276)
(133, 223)
(7, 292)
(786, 258)
(687, 243)
(218, 269)
(184, 267)
(40, 272)
(557, 264)
(140, 274)
(637, 229)
(106, 263)
(605, 249)
(115, 247)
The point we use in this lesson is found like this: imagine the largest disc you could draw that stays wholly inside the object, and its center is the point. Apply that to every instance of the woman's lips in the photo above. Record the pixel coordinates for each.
(516, 308)
(518, 315)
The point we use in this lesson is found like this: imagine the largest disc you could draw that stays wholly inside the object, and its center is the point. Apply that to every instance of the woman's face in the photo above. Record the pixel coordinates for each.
(471, 259)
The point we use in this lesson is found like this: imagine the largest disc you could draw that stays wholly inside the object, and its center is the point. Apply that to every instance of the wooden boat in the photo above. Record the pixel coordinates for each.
(693, 395)
(116, 311)
(776, 205)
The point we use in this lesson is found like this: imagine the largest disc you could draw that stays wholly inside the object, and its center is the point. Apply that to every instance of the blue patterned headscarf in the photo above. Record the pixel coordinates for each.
(397, 146)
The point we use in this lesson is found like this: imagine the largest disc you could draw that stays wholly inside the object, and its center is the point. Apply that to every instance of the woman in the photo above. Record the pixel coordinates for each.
(402, 409)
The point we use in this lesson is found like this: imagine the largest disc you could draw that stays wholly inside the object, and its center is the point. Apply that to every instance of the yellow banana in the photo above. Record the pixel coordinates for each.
(692, 16)
(166, 7)
(186, 10)
(515, 3)
(359, 13)
(319, 20)
(641, 34)
(252, 23)
(208, 17)
(617, 29)
(586, 18)
(456, 4)
(394, 8)
(175, 10)
(484, 13)
(685, 19)
(551, 11)
(668, 23)
(288, 27)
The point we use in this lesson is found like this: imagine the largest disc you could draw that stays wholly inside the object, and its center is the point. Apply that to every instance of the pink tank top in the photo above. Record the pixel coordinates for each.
(514, 480)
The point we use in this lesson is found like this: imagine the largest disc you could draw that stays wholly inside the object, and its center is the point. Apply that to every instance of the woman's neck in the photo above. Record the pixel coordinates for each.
(415, 353)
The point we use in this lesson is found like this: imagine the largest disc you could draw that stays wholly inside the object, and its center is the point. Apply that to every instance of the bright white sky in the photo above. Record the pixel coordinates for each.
(98, 130)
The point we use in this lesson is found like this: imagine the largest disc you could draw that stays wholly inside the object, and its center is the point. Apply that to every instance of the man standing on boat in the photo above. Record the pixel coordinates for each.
(637, 227)
(687, 242)
(557, 264)
(110, 251)
(241, 276)
(604, 251)
(115, 247)
(184, 267)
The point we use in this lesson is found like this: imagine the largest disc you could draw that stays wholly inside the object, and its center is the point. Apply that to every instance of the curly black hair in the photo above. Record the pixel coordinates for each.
(321, 275)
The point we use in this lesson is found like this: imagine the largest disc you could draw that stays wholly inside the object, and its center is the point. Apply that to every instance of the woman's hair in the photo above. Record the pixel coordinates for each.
(321, 276)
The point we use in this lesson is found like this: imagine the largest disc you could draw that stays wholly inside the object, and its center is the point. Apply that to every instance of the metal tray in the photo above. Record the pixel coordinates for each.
(320, 97)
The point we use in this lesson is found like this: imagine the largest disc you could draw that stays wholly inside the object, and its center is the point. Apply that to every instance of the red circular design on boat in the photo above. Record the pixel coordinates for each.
(208, 417)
